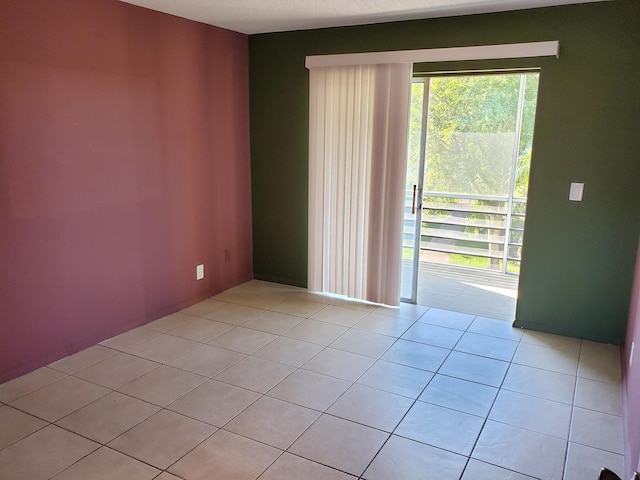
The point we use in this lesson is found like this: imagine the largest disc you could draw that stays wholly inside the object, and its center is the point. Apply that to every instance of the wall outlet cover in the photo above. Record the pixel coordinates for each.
(199, 272)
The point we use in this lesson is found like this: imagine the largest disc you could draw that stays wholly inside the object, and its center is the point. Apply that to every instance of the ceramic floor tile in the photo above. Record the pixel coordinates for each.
(600, 396)
(169, 322)
(554, 386)
(532, 413)
(432, 335)
(290, 467)
(337, 363)
(115, 371)
(314, 331)
(517, 442)
(107, 464)
(340, 444)
(274, 422)
(162, 385)
(404, 459)
(598, 430)
(290, 351)
(43, 454)
(299, 307)
(396, 378)
(407, 311)
(310, 389)
(600, 362)
(130, 338)
(384, 325)
(201, 330)
(487, 346)
(418, 355)
(166, 476)
(273, 322)
(546, 358)
(214, 402)
(602, 350)
(226, 455)
(361, 306)
(16, 425)
(441, 427)
(314, 297)
(202, 308)
(243, 340)
(257, 297)
(206, 360)
(234, 314)
(477, 470)
(371, 407)
(461, 395)
(82, 359)
(21, 386)
(347, 317)
(556, 342)
(475, 369)
(363, 343)
(586, 462)
(162, 348)
(495, 328)
(108, 417)
(520, 450)
(60, 398)
(447, 318)
(255, 374)
(162, 439)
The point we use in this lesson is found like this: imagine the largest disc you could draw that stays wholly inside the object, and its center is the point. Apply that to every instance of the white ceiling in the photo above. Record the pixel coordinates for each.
(261, 16)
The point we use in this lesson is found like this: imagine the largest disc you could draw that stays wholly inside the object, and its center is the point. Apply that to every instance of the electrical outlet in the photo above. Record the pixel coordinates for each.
(199, 272)
(633, 346)
(227, 255)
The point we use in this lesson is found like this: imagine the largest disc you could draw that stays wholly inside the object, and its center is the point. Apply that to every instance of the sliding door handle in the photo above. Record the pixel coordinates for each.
(413, 202)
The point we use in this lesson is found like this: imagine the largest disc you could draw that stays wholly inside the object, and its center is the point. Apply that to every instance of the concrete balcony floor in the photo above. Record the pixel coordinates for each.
(468, 290)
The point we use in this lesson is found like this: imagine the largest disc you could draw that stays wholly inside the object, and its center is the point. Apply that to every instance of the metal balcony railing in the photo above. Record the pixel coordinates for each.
(486, 227)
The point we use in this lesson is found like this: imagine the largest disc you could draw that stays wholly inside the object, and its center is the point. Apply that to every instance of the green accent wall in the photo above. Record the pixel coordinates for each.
(578, 258)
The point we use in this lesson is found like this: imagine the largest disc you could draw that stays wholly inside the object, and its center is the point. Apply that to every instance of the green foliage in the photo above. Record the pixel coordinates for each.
(471, 133)
(415, 131)
(468, 261)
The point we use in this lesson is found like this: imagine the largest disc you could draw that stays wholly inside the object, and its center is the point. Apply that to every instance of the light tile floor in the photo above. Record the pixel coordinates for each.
(272, 382)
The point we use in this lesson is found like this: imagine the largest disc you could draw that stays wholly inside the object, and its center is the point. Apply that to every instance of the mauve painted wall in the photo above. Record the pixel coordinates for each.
(124, 162)
(632, 380)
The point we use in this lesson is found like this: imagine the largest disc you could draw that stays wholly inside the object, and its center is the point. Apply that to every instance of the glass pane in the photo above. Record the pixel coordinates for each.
(471, 134)
(526, 136)
(412, 179)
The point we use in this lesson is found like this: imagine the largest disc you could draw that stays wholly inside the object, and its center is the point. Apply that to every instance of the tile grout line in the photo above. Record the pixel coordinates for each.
(414, 403)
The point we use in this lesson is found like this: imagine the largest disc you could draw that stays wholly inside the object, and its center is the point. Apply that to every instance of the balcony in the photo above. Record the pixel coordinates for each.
(470, 252)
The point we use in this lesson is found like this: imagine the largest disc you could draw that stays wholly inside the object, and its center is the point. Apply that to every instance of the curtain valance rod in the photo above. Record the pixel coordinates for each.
(452, 54)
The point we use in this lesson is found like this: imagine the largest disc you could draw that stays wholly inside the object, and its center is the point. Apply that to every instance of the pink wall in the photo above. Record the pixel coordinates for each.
(124, 162)
(632, 380)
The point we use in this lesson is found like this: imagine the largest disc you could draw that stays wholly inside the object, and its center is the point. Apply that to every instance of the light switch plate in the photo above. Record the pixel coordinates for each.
(576, 191)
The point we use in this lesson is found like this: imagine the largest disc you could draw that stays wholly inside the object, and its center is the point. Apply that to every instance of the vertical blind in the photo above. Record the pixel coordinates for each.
(357, 161)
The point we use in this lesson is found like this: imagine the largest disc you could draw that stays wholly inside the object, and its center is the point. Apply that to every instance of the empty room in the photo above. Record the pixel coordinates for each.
(335, 240)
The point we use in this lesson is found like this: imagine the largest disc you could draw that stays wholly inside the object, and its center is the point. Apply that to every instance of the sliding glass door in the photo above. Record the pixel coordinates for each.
(413, 190)
(468, 171)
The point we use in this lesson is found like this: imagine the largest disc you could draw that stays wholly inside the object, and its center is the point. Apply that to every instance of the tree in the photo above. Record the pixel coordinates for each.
(471, 133)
